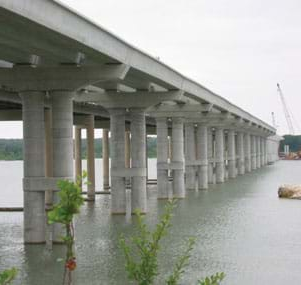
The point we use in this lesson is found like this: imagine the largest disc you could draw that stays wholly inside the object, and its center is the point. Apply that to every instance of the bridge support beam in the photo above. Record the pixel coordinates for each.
(48, 155)
(247, 152)
(105, 159)
(78, 151)
(231, 154)
(162, 158)
(241, 153)
(253, 151)
(90, 157)
(262, 151)
(138, 133)
(34, 167)
(62, 125)
(202, 156)
(258, 152)
(127, 155)
(220, 168)
(117, 123)
(210, 155)
(178, 158)
(190, 156)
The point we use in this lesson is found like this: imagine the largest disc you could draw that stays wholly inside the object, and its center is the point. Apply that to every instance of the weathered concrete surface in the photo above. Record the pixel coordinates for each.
(34, 166)
(138, 133)
(190, 156)
(162, 158)
(178, 158)
(118, 205)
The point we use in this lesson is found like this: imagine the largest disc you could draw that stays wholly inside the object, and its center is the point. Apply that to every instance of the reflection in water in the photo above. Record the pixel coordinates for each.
(241, 227)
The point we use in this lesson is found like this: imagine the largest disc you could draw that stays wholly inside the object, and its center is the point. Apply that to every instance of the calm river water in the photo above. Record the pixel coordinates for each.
(241, 228)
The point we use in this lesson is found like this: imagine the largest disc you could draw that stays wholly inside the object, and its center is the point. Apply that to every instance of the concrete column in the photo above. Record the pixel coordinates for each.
(262, 151)
(265, 151)
(146, 155)
(178, 158)
(105, 159)
(210, 155)
(48, 155)
(202, 156)
(248, 152)
(34, 166)
(253, 152)
(190, 156)
(117, 144)
(127, 154)
(258, 152)
(226, 154)
(162, 158)
(231, 154)
(138, 132)
(241, 153)
(78, 151)
(90, 157)
(62, 127)
(219, 151)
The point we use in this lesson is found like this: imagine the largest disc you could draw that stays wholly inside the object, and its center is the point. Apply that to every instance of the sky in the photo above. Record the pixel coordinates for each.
(239, 49)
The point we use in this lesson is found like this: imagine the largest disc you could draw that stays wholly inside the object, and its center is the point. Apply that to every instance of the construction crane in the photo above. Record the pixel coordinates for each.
(286, 112)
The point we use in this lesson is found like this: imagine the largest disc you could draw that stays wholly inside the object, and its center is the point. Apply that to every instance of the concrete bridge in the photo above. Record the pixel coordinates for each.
(59, 70)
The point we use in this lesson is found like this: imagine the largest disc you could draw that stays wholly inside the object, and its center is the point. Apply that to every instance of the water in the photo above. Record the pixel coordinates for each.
(241, 228)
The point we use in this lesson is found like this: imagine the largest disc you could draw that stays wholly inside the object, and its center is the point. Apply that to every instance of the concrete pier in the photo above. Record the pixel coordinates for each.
(219, 159)
(78, 151)
(210, 155)
(241, 153)
(262, 160)
(258, 152)
(253, 152)
(162, 158)
(105, 159)
(90, 157)
(248, 152)
(62, 126)
(34, 166)
(190, 156)
(117, 123)
(138, 133)
(202, 156)
(48, 155)
(231, 154)
(127, 155)
(177, 161)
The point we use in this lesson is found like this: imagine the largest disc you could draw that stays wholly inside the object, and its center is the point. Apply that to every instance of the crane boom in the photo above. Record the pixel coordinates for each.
(286, 112)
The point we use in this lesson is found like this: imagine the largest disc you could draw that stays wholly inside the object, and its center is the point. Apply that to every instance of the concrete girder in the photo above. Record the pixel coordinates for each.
(59, 78)
(137, 99)
(179, 110)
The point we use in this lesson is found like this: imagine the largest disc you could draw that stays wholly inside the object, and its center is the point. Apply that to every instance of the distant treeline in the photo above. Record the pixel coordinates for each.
(12, 149)
(294, 143)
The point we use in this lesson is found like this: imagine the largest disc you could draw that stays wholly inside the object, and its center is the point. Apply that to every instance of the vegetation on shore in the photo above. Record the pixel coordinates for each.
(12, 149)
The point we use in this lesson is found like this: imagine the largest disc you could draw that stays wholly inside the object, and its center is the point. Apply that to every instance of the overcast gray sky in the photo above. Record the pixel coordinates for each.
(239, 49)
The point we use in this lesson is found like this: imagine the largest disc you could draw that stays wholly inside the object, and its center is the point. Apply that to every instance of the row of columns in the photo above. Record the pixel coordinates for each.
(203, 163)
(206, 156)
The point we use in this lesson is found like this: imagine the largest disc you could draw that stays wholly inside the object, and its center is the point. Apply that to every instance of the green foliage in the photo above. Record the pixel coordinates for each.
(7, 276)
(141, 252)
(70, 201)
(146, 245)
(181, 263)
(294, 143)
(213, 279)
(63, 212)
(12, 149)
